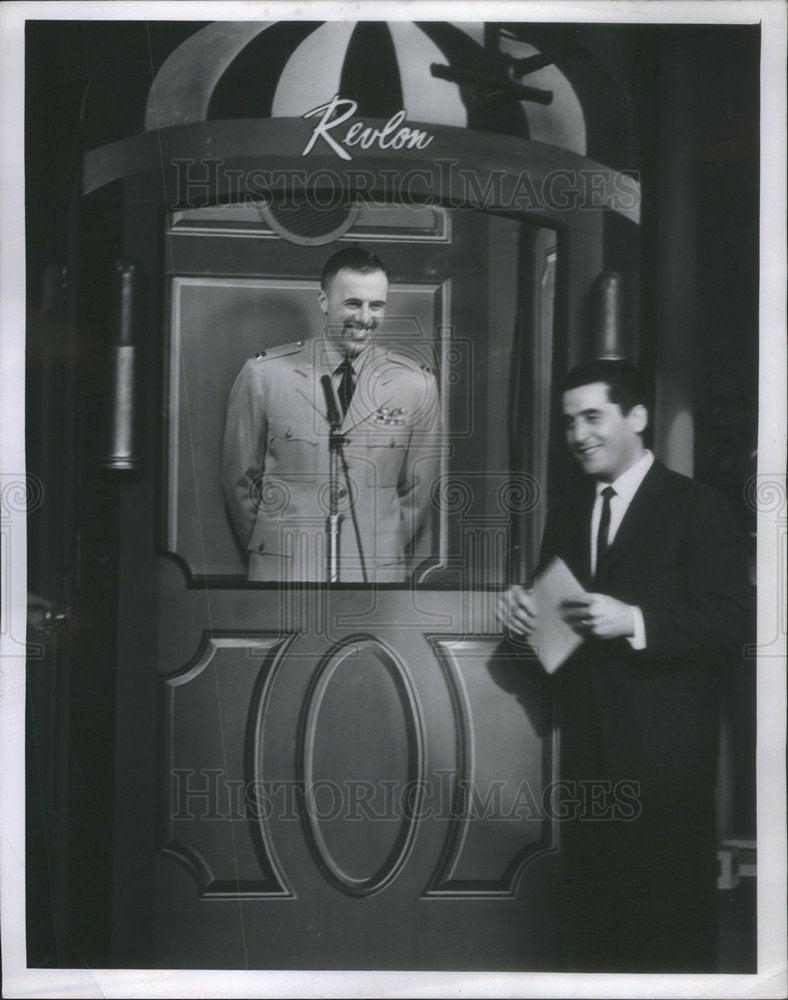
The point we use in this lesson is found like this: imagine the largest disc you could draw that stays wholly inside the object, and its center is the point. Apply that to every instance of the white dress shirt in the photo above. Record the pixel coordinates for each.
(626, 486)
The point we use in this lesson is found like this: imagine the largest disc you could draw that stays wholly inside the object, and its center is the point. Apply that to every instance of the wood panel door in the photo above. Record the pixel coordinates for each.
(370, 792)
(346, 778)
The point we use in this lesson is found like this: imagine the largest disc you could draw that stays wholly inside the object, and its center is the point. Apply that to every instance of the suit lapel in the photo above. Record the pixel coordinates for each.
(314, 363)
(365, 402)
(639, 517)
(355, 412)
(584, 535)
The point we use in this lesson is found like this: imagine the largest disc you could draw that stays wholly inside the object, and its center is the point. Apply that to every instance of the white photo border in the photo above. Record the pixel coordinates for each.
(770, 981)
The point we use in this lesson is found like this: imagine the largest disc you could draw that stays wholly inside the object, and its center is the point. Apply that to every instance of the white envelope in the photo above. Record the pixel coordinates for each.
(553, 639)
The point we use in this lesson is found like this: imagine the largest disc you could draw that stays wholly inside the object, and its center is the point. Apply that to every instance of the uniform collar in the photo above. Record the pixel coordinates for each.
(329, 355)
(322, 354)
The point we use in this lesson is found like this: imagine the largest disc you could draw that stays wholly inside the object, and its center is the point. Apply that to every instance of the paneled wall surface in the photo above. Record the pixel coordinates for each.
(375, 791)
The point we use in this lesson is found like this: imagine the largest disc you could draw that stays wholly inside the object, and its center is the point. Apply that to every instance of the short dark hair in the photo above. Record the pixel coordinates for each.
(625, 385)
(354, 259)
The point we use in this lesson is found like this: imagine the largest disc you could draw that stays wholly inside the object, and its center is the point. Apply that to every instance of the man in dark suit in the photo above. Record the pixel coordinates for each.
(666, 612)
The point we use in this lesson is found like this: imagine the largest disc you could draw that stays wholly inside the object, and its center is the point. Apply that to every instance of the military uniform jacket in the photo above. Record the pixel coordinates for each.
(275, 462)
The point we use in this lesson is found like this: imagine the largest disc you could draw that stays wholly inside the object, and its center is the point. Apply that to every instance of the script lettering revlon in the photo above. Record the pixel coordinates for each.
(393, 135)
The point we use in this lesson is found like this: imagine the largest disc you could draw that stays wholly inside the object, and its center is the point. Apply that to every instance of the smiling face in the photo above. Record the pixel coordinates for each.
(354, 304)
(605, 441)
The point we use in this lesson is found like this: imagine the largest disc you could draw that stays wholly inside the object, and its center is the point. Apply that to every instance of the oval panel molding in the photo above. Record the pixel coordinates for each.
(361, 761)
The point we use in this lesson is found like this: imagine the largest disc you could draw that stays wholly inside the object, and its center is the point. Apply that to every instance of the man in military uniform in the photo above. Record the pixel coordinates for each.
(275, 459)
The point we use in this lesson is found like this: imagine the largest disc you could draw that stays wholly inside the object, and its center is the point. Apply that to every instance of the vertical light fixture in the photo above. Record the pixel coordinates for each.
(607, 316)
(122, 455)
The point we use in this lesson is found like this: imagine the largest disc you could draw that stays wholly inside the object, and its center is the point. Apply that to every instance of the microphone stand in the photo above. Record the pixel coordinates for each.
(336, 443)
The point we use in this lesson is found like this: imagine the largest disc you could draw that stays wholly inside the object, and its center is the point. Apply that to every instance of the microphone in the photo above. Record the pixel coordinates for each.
(331, 402)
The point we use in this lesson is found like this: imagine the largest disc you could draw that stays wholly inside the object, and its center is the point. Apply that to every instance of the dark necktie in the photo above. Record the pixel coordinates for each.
(346, 384)
(602, 543)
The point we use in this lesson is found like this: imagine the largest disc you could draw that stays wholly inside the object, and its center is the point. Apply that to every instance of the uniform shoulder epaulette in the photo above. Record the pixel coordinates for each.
(280, 351)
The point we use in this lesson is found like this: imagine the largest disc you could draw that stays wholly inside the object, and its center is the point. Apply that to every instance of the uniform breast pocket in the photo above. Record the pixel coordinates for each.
(293, 450)
(386, 453)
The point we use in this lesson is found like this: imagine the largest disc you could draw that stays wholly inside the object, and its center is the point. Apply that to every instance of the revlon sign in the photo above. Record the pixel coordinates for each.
(334, 114)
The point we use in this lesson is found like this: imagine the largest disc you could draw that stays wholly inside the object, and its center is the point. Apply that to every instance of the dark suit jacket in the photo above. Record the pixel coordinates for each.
(678, 556)
(651, 717)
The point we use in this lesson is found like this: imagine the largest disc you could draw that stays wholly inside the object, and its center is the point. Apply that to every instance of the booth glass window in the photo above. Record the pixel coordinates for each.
(470, 300)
